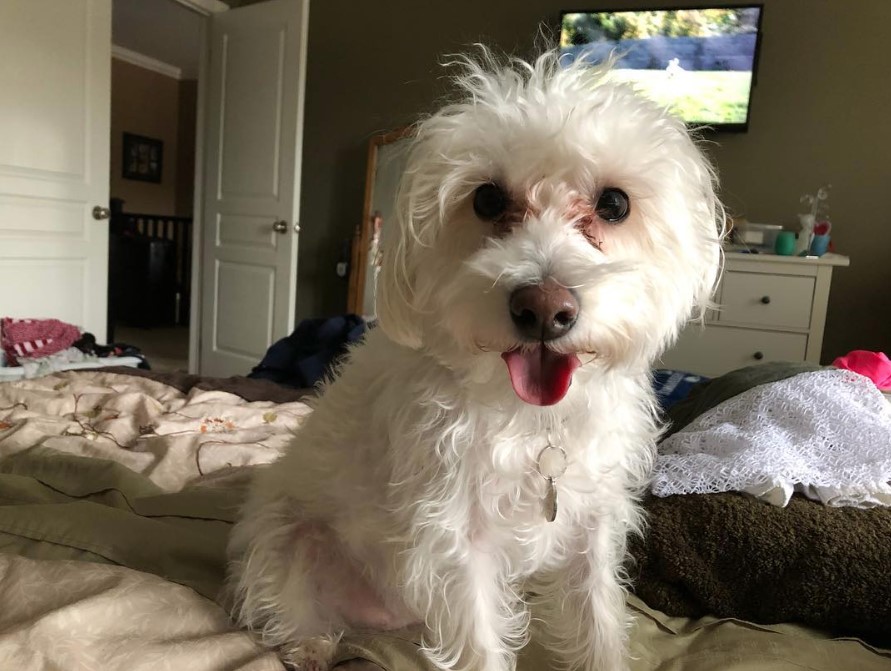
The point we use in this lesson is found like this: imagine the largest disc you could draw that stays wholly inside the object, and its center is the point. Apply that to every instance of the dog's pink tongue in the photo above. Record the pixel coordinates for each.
(540, 376)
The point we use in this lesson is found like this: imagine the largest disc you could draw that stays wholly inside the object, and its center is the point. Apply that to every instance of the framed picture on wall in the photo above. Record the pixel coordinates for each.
(143, 158)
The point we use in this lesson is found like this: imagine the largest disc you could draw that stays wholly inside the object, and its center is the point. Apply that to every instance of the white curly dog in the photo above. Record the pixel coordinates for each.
(475, 464)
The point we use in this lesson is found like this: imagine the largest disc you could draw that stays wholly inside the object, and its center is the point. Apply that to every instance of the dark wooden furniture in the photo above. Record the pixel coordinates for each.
(150, 270)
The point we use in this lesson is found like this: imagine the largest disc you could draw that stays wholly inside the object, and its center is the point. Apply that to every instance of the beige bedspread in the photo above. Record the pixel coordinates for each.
(88, 462)
(104, 473)
(173, 438)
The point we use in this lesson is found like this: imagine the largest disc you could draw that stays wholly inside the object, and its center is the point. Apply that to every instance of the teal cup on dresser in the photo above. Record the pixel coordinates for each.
(785, 243)
(819, 245)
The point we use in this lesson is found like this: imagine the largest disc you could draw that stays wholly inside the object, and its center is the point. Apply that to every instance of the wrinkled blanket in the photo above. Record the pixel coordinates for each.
(172, 437)
(102, 473)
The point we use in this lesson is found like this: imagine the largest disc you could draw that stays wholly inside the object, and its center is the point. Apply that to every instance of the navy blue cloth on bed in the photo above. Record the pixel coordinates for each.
(304, 358)
(672, 386)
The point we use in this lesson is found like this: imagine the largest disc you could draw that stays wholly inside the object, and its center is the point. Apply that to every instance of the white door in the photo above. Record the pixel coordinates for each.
(55, 87)
(254, 126)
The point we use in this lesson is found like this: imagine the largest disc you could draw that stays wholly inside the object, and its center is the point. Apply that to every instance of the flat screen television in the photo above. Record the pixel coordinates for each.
(699, 62)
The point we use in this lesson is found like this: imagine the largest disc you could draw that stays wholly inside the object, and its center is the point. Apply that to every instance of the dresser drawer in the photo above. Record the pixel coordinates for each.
(715, 350)
(759, 299)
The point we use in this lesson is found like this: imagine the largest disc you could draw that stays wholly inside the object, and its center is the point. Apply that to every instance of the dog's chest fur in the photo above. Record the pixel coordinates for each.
(438, 461)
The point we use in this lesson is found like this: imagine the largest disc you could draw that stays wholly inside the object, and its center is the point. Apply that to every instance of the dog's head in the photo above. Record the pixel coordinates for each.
(552, 218)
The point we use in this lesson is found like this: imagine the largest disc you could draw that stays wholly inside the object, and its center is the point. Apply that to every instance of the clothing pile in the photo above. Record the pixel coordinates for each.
(43, 346)
(824, 434)
(311, 353)
(35, 338)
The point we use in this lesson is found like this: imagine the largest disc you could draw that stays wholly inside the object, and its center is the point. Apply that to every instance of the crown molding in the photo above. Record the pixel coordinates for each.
(147, 62)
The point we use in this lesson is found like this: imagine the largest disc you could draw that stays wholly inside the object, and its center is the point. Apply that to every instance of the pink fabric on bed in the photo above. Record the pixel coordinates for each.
(32, 338)
(874, 365)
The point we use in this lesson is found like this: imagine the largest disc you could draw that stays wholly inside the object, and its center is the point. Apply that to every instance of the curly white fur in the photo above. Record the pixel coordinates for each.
(412, 493)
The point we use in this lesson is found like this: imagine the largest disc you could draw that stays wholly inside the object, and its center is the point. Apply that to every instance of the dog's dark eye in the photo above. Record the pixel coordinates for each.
(489, 201)
(613, 205)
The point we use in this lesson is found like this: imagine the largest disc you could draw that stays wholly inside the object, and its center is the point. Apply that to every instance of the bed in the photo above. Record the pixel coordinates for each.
(118, 488)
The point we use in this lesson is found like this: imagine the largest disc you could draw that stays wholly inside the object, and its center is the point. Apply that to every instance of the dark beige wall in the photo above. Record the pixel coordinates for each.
(145, 103)
(819, 115)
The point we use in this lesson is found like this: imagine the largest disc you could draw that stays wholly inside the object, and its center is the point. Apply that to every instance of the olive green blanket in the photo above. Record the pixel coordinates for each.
(92, 510)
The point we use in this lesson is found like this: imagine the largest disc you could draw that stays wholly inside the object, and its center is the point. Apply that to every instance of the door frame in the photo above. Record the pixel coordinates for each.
(206, 9)
(198, 196)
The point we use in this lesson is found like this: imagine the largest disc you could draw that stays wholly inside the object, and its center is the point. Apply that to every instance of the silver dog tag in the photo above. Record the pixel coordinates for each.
(551, 464)
(550, 501)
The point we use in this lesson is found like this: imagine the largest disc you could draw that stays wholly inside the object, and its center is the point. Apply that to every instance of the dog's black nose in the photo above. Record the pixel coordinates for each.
(544, 311)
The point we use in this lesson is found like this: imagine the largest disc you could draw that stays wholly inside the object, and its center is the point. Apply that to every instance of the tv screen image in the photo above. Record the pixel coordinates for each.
(700, 63)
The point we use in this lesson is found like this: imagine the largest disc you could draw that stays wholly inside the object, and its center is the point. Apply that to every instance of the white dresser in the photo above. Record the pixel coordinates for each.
(772, 308)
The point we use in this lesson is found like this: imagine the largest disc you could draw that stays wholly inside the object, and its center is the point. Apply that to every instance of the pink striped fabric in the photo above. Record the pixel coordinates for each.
(33, 338)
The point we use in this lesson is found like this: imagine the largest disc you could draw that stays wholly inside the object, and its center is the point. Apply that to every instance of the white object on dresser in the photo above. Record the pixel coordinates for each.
(772, 308)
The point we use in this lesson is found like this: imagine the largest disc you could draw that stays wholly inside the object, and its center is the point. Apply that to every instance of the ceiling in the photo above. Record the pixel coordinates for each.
(161, 29)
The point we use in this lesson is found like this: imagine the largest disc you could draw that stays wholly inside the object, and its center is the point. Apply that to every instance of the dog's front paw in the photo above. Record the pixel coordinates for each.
(312, 654)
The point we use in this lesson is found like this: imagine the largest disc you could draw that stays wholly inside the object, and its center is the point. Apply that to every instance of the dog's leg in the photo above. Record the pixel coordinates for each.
(473, 619)
(580, 608)
(271, 588)
(294, 583)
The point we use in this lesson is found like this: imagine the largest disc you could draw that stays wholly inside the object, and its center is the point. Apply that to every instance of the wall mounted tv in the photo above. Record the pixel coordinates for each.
(701, 62)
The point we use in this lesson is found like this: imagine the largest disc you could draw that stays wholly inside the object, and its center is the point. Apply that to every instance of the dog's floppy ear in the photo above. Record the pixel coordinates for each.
(395, 300)
(711, 222)
(396, 315)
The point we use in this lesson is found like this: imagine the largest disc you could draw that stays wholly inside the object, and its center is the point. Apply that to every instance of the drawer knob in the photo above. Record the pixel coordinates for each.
(758, 356)
(765, 300)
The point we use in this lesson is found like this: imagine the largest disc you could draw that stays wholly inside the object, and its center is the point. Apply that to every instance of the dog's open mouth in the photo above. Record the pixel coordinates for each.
(540, 376)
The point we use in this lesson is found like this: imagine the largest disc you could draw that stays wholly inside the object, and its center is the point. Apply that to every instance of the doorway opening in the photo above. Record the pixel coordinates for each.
(156, 51)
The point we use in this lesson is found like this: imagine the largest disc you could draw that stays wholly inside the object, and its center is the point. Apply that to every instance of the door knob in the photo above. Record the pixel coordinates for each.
(100, 213)
(280, 226)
